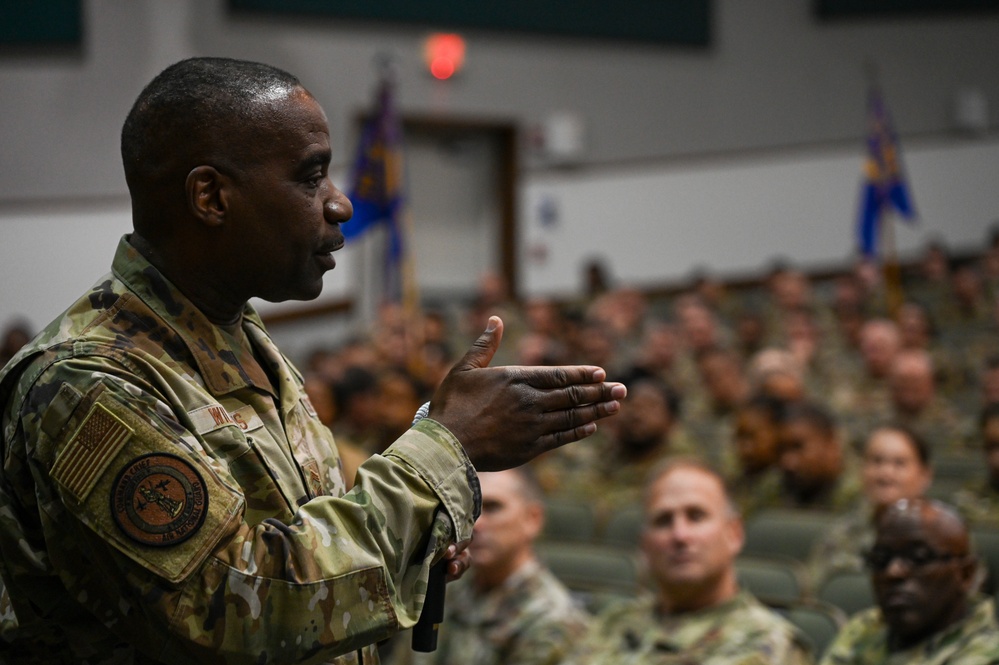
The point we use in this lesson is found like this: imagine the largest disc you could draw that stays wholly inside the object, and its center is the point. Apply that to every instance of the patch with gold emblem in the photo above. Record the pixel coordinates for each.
(159, 500)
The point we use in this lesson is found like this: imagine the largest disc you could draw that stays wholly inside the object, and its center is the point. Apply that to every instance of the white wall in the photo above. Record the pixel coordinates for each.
(656, 224)
(724, 156)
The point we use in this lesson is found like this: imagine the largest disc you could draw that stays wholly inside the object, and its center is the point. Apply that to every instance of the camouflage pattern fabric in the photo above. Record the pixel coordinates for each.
(841, 548)
(973, 641)
(978, 502)
(168, 495)
(529, 620)
(740, 631)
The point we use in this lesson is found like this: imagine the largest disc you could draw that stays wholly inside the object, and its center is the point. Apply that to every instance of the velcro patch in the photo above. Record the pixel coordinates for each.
(159, 500)
(89, 451)
(210, 418)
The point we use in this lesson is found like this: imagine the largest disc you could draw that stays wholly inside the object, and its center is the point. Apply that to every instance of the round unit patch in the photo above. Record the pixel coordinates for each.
(159, 500)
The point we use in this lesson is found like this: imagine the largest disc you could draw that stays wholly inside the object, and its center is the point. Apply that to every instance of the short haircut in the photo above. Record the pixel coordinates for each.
(687, 462)
(189, 112)
(813, 414)
(772, 407)
(671, 397)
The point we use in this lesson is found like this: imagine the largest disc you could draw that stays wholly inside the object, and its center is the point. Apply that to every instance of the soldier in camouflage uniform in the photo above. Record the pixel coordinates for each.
(978, 499)
(168, 494)
(817, 471)
(895, 465)
(509, 609)
(691, 537)
(923, 575)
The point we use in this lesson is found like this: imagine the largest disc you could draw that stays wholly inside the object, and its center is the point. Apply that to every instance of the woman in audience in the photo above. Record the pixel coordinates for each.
(896, 465)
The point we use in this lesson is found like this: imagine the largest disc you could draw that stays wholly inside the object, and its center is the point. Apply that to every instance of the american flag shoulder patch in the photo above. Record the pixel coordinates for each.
(88, 452)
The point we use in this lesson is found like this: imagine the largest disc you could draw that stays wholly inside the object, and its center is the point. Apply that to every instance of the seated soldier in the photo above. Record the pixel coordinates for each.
(691, 536)
(895, 465)
(817, 471)
(978, 501)
(755, 448)
(510, 609)
(609, 470)
(916, 403)
(923, 574)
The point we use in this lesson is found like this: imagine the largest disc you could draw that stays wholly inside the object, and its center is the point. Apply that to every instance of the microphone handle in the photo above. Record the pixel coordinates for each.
(425, 630)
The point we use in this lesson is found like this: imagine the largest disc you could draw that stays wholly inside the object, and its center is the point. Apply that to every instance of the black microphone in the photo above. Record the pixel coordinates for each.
(425, 630)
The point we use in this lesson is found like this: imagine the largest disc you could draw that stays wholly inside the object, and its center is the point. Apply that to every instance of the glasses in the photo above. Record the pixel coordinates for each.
(878, 559)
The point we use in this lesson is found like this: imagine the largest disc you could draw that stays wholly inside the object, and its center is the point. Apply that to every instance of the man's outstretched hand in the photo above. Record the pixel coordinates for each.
(505, 416)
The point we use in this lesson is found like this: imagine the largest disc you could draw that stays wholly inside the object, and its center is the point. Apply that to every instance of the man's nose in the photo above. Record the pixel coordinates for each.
(338, 207)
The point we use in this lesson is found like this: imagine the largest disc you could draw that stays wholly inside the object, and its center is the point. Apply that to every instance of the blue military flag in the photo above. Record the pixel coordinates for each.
(377, 191)
(884, 187)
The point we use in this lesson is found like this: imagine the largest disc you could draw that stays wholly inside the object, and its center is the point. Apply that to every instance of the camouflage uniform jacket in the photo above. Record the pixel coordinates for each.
(528, 620)
(741, 631)
(972, 641)
(165, 499)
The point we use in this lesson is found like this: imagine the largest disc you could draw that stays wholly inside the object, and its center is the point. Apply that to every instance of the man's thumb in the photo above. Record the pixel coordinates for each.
(484, 348)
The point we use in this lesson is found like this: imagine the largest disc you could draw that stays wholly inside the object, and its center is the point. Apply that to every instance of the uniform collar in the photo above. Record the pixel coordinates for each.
(217, 360)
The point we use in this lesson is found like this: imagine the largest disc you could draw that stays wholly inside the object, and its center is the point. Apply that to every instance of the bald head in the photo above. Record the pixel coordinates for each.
(941, 522)
(921, 569)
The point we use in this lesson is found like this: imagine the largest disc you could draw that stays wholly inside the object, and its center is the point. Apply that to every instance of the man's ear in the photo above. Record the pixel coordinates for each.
(206, 195)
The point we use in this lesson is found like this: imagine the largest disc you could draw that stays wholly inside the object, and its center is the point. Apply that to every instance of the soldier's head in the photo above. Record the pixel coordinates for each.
(990, 441)
(911, 382)
(723, 377)
(896, 465)
(512, 519)
(227, 164)
(652, 409)
(691, 535)
(879, 342)
(756, 424)
(810, 450)
(921, 568)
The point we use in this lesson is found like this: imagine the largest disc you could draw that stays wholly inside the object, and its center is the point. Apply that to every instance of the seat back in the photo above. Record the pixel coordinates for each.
(850, 591)
(818, 622)
(778, 532)
(569, 521)
(770, 580)
(623, 528)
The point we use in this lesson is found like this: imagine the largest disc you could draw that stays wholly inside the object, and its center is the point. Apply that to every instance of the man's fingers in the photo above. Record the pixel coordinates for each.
(577, 395)
(484, 348)
(561, 377)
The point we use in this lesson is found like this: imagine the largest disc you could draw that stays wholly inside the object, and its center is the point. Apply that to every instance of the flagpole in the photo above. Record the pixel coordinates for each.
(894, 295)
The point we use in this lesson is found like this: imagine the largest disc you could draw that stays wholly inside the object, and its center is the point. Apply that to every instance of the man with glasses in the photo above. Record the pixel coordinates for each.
(924, 575)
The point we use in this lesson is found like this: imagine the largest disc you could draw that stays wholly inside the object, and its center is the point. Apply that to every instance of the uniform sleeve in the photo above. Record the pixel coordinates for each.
(145, 529)
(847, 646)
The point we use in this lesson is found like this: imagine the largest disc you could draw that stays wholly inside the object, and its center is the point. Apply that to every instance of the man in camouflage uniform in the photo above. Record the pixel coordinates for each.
(923, 574)
(691, 537)
(168, 494)
(509, 609)
(817, 471)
